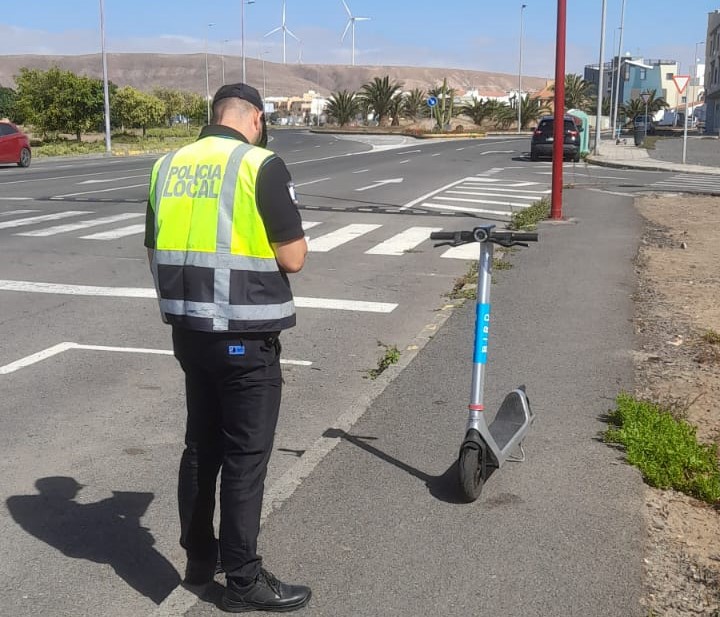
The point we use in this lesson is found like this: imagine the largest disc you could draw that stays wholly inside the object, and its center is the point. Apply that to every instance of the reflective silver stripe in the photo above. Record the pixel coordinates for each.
(245, 312)
(226, 202)
(222, 296)
(160, 181)
(215, 260)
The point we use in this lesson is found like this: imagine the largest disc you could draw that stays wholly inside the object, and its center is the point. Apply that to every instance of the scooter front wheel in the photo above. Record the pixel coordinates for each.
(472, 467)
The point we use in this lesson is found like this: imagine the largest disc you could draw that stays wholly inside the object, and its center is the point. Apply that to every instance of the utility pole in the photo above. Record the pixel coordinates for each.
(519, 96)
(106, 94)
(601, 75)
(619, 70)
(559, 128)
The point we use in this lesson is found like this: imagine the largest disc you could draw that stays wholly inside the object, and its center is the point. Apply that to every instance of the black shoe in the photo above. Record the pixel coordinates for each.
(266, 594)
(201, 572)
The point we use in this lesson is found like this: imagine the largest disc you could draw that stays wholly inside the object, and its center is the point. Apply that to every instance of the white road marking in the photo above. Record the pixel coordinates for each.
(114, 234)
(60, 229)
(323, 244)
(119, 188)
(361, 171)
(406, 152)
(491, 190)
(149, 292)
(497, 152)
(147, 175)
(33, 358)
(32, 220)
(437, 154)
(430, 194)
(459, 149)
(15, 198)
(483, 201)
(98, 173)
(465, 251)
(312, 182)
(345, 305)
(466, 209)
(618, 193)
(403, 162)
(14, 212)
(310, 224)
(404, 241)
(62, 347)
(513, 185)
(496, 194)
(379, 183)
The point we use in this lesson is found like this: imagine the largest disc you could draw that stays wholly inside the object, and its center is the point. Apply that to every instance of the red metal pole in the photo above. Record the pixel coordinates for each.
(559, 134)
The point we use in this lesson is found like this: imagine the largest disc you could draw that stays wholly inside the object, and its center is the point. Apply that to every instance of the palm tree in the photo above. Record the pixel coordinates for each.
(342, 106)
(396, 107)
(504, 115)
(632, 108)
(531, 110)
(578, 92)
(378, 95)
(655, 102)
(415, 104)
(478, 110)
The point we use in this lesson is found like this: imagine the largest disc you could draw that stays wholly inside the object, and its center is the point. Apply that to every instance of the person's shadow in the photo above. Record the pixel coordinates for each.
(107, 531)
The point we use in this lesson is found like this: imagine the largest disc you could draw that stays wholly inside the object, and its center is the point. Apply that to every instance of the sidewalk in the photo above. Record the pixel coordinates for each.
(377, 529)
(628, 155)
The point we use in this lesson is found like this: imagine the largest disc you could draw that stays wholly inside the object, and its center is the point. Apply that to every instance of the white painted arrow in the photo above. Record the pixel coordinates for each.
(379, 183)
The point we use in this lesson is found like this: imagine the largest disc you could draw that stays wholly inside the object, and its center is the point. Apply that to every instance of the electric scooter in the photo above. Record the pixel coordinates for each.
(487, 446)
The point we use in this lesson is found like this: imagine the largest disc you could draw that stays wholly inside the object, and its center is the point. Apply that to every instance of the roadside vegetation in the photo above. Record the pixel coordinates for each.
(58, 106)
(390, 356)
(665, 448)
(528, 218)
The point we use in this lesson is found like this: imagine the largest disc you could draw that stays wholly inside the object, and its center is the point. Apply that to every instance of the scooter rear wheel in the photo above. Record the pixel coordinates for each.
(472, 470)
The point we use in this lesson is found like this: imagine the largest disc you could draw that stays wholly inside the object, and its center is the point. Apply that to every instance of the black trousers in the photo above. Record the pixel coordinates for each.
(233, 387)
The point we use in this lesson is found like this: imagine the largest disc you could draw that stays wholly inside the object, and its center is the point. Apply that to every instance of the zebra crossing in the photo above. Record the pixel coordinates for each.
(483, 195)
(373, 238)
(694, 183)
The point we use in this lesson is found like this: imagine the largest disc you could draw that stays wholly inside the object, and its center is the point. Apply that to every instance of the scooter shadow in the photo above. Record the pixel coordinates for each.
(444, 487)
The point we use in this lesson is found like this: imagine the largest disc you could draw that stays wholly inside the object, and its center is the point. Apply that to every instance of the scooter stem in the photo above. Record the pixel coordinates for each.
(482, 330)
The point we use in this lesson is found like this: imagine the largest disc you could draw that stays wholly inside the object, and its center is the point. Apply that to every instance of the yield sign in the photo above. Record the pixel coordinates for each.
(681, 82)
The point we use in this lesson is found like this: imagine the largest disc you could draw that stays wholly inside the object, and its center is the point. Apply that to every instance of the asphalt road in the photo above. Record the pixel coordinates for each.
(91, 393)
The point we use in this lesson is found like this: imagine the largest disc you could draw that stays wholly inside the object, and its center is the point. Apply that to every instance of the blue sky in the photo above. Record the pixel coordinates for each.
(472, 34)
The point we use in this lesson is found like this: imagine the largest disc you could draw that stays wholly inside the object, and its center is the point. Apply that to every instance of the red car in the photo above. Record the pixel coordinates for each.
(14, 145)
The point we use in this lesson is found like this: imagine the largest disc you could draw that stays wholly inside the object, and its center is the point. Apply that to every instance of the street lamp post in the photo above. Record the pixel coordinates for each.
(601, 75)
(519, 96)
(242, 34)
(222, 59)
(617, 80)
(207, 73)
(106, 94)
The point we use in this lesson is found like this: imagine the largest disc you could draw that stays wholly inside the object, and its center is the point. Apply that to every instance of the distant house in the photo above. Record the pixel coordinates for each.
(712, 73)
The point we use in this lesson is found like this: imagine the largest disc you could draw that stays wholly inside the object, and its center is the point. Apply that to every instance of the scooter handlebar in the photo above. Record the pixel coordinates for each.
(506, 238)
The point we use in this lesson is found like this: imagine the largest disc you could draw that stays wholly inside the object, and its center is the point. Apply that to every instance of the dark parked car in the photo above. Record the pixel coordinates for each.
(644, 123)
(541, 143)
(14, 145)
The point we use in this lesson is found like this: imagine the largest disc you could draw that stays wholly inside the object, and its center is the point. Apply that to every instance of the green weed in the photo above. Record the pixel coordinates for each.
(665, 448)
(528, 218)
(390, 357)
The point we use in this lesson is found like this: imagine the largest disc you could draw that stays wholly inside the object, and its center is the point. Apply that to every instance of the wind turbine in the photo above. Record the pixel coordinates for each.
(285, 31)
(351, 23)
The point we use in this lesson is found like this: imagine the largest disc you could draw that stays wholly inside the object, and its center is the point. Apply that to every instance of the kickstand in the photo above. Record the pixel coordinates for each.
(518, 458)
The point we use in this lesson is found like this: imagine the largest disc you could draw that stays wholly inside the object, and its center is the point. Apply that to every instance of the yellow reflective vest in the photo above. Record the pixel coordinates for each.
(213, 265)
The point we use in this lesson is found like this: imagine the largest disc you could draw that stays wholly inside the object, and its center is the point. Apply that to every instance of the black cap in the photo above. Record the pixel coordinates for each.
(239, 91)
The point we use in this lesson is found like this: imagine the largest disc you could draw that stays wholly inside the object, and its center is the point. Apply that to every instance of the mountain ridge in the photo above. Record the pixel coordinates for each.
(146, 71)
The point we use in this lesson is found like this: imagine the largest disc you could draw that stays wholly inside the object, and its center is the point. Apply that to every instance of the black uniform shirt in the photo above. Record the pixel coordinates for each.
(274, 195)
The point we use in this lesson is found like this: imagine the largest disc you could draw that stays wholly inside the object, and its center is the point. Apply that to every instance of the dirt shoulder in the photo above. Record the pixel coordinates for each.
(677, 302)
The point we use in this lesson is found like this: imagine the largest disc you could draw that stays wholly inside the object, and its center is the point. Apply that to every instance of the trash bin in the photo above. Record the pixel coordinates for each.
(639, 135)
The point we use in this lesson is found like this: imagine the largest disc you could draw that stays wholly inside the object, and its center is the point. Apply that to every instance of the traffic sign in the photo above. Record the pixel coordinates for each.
(681, 82)
(645, 96)
(432, 101)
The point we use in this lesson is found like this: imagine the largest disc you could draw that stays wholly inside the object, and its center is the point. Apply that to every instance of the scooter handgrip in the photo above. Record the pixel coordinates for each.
(442, 235)
(525, 236)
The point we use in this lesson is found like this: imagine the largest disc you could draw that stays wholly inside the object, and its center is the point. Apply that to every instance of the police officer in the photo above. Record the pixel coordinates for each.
(223, 231)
